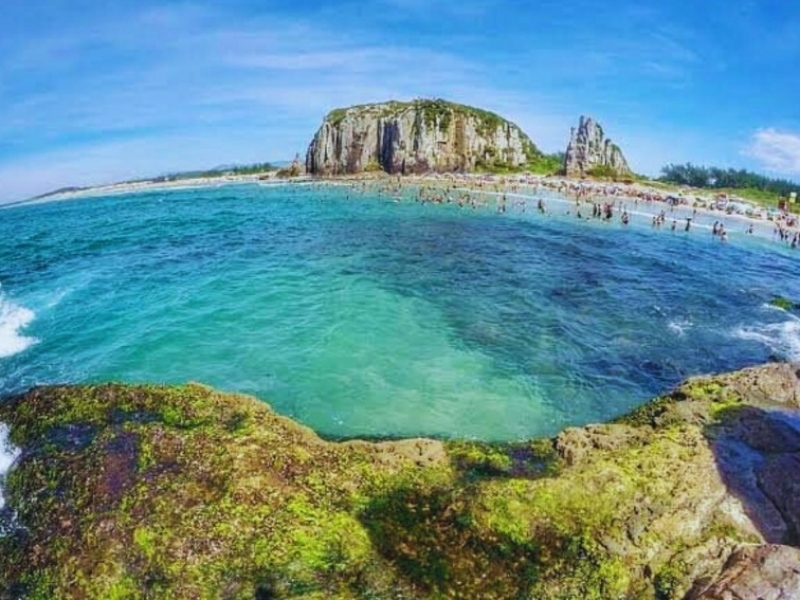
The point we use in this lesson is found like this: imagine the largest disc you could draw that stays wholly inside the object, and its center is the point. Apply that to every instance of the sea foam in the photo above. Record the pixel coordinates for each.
(782, 338)
(13, 319)
(8, 454)
(679, 326)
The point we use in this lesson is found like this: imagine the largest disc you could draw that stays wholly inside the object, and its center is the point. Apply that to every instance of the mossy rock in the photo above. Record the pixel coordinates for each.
(784, 303)
(185, 492)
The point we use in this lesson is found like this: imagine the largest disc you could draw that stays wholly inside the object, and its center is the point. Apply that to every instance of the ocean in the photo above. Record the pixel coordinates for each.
(366, 314)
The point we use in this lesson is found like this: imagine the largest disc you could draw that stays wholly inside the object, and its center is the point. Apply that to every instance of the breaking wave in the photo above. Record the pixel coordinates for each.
(783, 338)
(8, 454)
(13, 319)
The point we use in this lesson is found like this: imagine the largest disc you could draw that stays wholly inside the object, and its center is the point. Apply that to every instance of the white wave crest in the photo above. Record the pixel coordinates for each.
(8, 454)
(13, 318)
(770, 306)
(679, 326)
(782, 338)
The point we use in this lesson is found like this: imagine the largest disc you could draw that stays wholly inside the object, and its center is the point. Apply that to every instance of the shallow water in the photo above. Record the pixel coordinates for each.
(366, 315)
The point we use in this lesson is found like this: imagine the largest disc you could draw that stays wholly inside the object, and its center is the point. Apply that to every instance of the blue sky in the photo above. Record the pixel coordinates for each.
(93, 92)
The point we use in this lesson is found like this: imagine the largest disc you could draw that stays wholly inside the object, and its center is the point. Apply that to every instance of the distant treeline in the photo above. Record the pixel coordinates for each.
(221, 172)
(716, 178)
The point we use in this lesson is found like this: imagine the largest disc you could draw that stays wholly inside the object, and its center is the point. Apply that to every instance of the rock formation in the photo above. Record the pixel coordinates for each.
(765, 572)
(590, 153)
(295, 169)
(416, 137)
(184, 492)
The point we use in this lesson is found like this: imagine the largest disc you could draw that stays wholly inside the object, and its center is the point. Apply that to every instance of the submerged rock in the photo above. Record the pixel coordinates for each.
(416, 137)
(784, 303)
(184, 492)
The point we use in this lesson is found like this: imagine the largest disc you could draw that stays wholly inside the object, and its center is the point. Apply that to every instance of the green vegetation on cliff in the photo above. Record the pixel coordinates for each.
(603, 172)
(424, 135)
(434, 111)
(184, 492)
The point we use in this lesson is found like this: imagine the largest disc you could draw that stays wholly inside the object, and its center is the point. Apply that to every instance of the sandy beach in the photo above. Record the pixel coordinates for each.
(661, 209)
(669, 209)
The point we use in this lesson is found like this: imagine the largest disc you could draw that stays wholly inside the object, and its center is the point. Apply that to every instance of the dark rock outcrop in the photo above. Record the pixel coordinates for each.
(590, 153)
(416, 137)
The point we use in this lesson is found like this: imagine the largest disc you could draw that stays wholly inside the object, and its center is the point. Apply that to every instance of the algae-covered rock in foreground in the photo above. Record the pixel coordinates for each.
(183, 492)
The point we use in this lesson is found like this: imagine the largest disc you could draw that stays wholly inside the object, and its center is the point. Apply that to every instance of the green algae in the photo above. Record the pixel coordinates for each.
(784, 303)
(183, 492)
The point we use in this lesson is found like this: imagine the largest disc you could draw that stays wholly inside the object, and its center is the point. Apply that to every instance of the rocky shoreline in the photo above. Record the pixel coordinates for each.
(184, 492)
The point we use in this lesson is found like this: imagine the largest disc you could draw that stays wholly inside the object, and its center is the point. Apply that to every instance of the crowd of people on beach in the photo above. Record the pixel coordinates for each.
(785, 235)
(607, 200)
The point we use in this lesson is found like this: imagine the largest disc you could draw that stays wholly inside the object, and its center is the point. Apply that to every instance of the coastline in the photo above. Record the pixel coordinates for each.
(116, 189)
(639, 200)
(204, 493)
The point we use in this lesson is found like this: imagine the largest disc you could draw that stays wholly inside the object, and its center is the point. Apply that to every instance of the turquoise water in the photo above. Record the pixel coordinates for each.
(364, 315)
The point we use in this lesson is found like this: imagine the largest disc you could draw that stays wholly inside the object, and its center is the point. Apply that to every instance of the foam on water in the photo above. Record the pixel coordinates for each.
(781, 338)
(13, 319)
(679, 326)
(8, 454)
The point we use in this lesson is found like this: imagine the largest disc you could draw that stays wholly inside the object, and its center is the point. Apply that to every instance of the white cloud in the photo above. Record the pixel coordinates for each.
(134, 92)
(265, 83)
(107, 162)
(777, 151)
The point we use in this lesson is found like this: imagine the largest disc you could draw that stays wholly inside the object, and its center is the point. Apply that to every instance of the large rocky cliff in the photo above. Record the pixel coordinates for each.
(590, 152)
(416, 137)
(183, 492)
